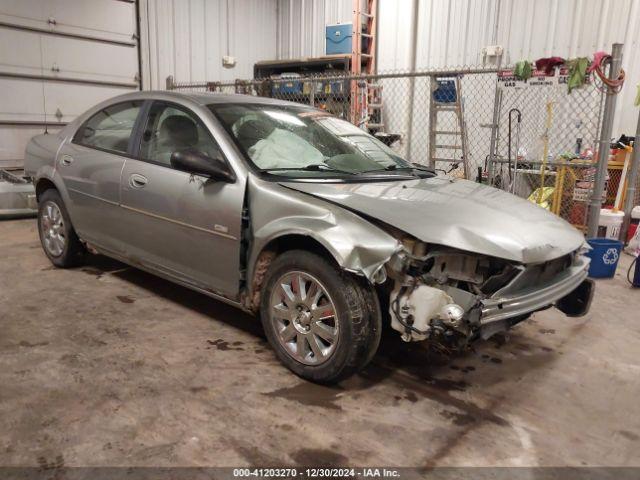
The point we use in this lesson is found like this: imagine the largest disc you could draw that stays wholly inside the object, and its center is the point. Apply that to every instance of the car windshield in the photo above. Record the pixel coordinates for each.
(300, 141)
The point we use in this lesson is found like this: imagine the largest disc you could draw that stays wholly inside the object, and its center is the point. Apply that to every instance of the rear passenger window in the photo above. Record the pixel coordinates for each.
(110, 128)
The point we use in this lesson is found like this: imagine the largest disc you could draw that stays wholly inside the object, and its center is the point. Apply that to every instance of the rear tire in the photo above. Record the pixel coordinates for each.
(57, 236)
(323, 323)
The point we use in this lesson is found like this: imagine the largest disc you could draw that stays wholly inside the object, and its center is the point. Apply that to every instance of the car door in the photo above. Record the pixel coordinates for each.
(90, 166)
(184, 225)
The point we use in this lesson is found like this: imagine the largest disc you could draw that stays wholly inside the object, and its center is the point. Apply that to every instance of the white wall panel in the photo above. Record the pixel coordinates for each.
(25, 59)
(188, 38)
(395, 50)
(35, 53)
(22, 100)
(76, 42)
(301, 25)
(76, 100)
(13, 140)
(85, 60)
(38, 101)
(98, 18)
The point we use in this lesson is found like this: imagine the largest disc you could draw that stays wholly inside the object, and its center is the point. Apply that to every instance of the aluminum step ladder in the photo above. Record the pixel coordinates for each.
(447, 127)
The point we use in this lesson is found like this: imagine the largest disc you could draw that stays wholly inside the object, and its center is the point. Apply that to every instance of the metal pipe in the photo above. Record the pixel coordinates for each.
(278, 39)
(52, 78)
(412, 81)
(632, 179)
(497, 101)
(377, 29)
(434, 73)
(138, 38)
(603, 148)
(515, 160)
(28, 123)
(545, 150)
(67, 35)
(519, 117)
(538, 163)
(496, 20)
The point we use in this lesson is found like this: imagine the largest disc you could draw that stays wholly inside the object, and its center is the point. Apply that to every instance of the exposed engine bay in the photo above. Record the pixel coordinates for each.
(443, 295)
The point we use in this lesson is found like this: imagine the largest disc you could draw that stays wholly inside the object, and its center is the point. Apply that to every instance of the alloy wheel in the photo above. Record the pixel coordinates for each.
(52, 226)
(304, 318)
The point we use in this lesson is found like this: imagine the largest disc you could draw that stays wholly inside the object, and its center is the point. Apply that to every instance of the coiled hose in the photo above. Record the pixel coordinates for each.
(613, 86)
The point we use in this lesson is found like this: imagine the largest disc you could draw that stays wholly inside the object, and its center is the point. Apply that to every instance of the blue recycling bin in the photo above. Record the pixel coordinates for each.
(604, 256)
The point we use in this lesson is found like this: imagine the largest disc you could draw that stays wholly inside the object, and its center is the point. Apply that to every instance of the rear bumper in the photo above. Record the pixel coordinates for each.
(570, 291)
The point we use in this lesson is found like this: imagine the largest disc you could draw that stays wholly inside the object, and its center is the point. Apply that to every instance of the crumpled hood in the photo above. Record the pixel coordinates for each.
(457, 213)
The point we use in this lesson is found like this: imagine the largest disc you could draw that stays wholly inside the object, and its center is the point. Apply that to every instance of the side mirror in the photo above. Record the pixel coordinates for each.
(199, 163)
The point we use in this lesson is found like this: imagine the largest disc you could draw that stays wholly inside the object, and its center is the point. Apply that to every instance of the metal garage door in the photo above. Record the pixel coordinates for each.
(58, 58)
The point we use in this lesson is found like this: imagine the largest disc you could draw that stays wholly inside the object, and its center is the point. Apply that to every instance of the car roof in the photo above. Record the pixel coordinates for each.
(202, 98)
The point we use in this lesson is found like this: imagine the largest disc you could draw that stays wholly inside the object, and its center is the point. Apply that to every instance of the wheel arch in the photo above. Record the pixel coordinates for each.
(43, 184)
(48, 179)
(300, 241)
(270, 249)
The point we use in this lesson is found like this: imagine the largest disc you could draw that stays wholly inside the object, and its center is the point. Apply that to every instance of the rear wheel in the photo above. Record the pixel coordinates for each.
(57, 236)
(323, 323)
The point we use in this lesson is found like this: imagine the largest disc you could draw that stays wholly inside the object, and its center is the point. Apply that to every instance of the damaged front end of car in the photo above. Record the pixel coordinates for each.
(451, 297)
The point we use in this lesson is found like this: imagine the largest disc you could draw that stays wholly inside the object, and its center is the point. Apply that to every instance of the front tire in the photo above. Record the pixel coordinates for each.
(57, 236)
(323, 323)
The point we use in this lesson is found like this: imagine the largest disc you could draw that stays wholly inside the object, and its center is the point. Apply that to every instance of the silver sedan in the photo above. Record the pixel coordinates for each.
(303, 219)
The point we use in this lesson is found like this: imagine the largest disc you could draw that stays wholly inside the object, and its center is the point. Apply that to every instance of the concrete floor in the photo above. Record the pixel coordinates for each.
(107, 365)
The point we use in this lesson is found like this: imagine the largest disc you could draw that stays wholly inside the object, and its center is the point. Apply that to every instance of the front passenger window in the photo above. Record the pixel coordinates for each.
(171, 129)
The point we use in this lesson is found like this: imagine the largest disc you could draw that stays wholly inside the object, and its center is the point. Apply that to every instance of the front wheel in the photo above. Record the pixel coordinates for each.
(323, 323)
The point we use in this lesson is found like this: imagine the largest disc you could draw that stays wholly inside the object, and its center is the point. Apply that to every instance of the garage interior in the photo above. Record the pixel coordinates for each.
(105, 365)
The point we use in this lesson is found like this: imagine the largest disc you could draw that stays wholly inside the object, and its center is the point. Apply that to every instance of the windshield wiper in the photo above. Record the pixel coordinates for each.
(396, 168)
(314, 167)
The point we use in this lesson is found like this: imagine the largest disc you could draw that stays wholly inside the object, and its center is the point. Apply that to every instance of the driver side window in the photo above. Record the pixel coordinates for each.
(172, 129)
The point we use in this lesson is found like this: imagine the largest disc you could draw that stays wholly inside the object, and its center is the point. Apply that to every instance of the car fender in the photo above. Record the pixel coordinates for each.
(48, 173)
(356, 244)
(41, 162)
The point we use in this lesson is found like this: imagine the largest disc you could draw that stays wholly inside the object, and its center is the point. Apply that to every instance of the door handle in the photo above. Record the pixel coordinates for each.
(137, 181)
(66, 160)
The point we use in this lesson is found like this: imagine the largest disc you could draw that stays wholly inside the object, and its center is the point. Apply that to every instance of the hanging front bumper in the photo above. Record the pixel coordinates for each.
(570, 290)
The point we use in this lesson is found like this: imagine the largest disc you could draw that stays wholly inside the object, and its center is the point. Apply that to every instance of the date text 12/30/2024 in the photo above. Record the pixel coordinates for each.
(315, 473)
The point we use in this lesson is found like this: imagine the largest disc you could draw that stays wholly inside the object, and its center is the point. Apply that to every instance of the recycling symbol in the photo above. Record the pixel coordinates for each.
(610, 256)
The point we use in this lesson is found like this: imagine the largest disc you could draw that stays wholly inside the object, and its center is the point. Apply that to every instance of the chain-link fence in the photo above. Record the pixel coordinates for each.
(437, 118)
(546, 143)
(531, 137)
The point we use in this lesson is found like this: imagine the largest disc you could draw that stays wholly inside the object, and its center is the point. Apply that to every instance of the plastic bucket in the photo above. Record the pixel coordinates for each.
(604, 256)
(610, 223)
